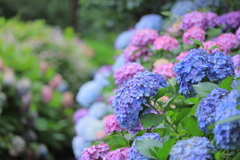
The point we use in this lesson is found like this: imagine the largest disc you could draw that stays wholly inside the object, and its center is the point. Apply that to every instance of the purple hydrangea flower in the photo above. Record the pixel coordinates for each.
(80, 113)
(144, 37)
(221, 66)
(134, 154)
(95, 152)
(195, 33)
(166, 43)
(227, 135)
(238, 33)
(192, 19)
(206, 109)
(132, 53)
(132, 94)
(191, 70)
(212, 19)
(123, 39)
(195, 148)
(150, 21)
(227, 41)
(232, 19)
(126, 72)
(119, 154)
(236, 61)
(111, 124)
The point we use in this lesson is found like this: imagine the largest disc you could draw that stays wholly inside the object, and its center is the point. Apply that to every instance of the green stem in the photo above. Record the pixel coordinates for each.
(173, 128)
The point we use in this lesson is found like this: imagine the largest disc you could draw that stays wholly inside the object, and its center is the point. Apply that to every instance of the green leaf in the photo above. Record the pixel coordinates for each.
(213, 32)
(226, 83)
(191, 125)
(237, 87)
(41, 124)
(166, 13)
(163, 152)
(182, 114)
(218, 155)
(193, 100)
(197, 42)
(144, 146)
(151, 119)
(172, 82)
(193, 110)
(160, 93)
(237, 157)
(213, 47)
(229, 119)
(204, 88)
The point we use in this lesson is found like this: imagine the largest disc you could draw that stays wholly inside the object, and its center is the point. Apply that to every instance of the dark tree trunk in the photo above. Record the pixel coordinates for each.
(74, 18)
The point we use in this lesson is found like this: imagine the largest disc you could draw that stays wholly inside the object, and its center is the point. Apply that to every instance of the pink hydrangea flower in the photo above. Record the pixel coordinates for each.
(238, 33)
(194, 18)
(227, 41)
(166, 43)
(126, 72)
(195, 33)
(212, 19)
(119, 154)
(209, 44)
(236, 61)
(80, 113)
(182, 55)
(175, 29)
(47, 93)
(233, 19)
(132, 53)
(111, 124)
(144, 37)
(55, 81)
(95, 152)
(165, 70)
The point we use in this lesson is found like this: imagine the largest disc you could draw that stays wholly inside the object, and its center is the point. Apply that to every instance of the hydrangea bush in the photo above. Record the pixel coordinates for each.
(175, 91)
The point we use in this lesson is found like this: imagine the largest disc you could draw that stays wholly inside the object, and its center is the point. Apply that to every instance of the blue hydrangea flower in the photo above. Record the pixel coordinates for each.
(99, 110)
(134, 154)
(191, 70)
(88, 126)
(88, 93)
(227, 135)
(206, 3)
(78, 145)
(236, 81)
(182, 7)
(151, 21)
(206, 110)
(221, 66)
(195, 148)
(123, 39)
(119, 62)
(132, 94)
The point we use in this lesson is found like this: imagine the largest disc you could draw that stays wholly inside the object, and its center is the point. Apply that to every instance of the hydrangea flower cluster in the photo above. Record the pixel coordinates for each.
(182, 7)
(144, 37)
(160, 62)
(131, 95)
(150, 21)
(166, 43)
(238, 33)
(95, 152)
(78, 145)
(227, 135)
(123, 39)
(212, 19)
(111, 124)
(132, 53)
(221, 66)
(182, 55)
(236, 61)
(175, 29)
(192, 19)
(193, 148)
(119, 154)
(209, 44)
(165, 70)
(231, 19)
(227, 41)
(126, 72)
(206, 109)
(80, 113)
(99, 110)
(134, 154)
(194, 32)
(190, 71)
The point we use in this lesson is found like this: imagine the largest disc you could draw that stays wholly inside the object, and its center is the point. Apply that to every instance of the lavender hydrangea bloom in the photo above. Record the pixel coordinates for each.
(227, 135)
(195, 148)
(206, 110)
(80, 113)
(221, 66)
(191, 70)
(182, 7)
(119, 154)
(131, 95)
(151, 21)
(123, 39)
(134, 154)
